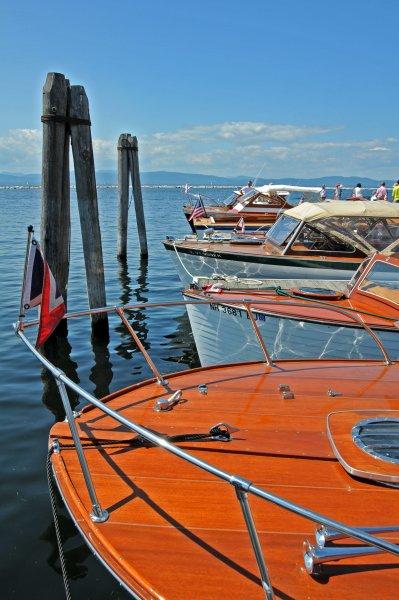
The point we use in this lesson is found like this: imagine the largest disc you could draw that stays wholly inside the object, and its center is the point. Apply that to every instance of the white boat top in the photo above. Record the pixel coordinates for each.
(287, 189)
(272, 189)
(256, 197)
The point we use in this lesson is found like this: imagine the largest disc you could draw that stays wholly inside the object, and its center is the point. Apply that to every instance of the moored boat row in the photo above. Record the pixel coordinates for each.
(259, 207)
(326, 240)
(272, 469)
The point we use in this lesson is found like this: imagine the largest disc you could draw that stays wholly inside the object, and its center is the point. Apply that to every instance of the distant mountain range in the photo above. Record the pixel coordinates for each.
(175, 178)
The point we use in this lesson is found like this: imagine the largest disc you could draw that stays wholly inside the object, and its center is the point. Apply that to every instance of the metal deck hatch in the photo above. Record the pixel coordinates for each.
(378, 437)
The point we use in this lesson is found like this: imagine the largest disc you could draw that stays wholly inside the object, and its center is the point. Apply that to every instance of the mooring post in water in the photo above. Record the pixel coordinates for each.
(123, 193)
(55, 212)
(86, 191)
(138, 198)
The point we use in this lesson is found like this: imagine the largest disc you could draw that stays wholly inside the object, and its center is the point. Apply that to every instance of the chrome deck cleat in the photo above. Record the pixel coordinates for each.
(163, 404)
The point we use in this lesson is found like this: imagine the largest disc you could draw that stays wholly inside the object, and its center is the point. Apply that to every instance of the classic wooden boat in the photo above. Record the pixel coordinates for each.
(259, 207)
(298, 322)
(254, 480)
(326, 240)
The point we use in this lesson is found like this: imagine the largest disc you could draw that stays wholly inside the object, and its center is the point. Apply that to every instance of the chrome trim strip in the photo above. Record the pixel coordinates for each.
(117, 309)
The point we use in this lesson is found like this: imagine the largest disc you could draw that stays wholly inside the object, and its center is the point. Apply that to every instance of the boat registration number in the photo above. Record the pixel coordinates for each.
(236, 312)
(206, 253)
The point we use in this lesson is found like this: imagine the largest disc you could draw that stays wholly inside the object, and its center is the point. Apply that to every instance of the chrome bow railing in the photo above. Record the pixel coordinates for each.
(242, 486)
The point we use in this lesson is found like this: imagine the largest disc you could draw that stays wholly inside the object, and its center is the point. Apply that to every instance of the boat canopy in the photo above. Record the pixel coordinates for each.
(309, 212)
(367, 226)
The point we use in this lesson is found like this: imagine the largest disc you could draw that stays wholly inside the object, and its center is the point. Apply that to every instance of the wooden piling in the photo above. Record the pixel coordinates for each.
(138, 198)
(55, 212)
(86, 191)
(123, 192)
(66, 188)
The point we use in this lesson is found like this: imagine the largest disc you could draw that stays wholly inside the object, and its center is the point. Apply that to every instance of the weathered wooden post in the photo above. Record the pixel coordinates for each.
(138, 198)
(55, 213)
(86, 191)
(123, 193)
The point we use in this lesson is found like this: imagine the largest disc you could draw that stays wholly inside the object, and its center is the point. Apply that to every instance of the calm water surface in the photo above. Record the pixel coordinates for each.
(30, 403)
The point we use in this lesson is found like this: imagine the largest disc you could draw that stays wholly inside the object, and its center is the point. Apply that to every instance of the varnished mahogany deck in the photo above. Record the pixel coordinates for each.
(374, 312)
(176, 532)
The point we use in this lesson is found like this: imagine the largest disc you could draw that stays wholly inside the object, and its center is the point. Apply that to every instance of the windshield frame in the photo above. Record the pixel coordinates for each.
(289, 236)
(244, 199)
(364, 277)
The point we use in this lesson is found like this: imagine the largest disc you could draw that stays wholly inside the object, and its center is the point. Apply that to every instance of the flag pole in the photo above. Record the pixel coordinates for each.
(21, 306)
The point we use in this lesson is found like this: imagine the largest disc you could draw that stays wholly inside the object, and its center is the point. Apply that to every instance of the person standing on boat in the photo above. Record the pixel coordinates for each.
(323, 193)
(395, 192)
(338, 191)
(357, 192)
(381, 192)
(247, 188)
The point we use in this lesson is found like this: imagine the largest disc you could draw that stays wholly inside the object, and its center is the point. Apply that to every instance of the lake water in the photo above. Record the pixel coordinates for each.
(29, 401)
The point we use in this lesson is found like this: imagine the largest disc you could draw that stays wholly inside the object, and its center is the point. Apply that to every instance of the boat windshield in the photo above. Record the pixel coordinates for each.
(231, 199)
(382, 281)
(275, 199)
(378, 232)
(245, 197)
(282, 229)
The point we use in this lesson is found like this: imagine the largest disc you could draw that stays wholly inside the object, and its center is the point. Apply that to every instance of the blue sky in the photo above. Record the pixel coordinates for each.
(300, 87)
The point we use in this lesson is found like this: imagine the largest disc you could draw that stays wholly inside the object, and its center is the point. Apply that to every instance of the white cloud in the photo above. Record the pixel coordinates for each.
(379, 149)
(238, 130)
(20, 150)
(230, 148)
(105, 149)
(233, 148)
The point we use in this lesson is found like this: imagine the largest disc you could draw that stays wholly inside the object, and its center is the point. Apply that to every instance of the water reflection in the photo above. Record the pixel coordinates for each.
(133, 295)
(181, 343)
(101, 373)
(75, 556)
(58, 351)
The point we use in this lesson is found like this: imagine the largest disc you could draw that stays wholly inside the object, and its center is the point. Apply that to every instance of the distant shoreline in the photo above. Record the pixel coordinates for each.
(160, 186)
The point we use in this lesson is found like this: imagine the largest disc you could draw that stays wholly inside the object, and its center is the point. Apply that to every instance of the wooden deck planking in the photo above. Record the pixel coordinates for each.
(182, 530)
(191, 522)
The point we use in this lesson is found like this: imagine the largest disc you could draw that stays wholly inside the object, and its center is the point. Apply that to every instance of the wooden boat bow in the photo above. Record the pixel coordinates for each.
(222, 532)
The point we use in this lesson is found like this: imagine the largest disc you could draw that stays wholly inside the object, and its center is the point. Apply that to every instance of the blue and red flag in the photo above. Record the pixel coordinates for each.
(40, 289)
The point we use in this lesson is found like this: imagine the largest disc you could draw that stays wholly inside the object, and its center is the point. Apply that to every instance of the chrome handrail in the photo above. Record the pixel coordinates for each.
(242, 486)
(242, 302)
